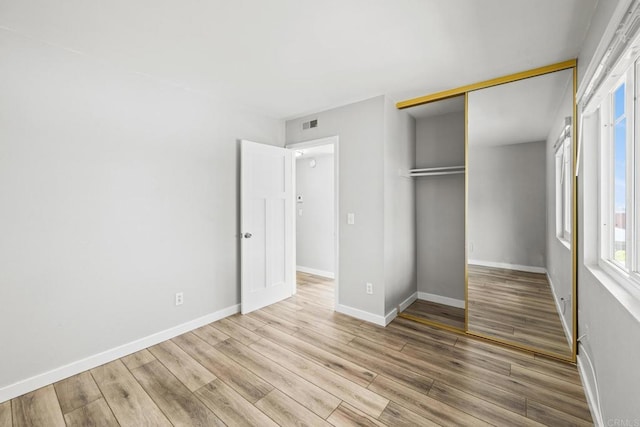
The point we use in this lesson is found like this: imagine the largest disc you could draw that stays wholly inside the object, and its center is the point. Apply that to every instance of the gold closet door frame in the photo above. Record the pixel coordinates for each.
(465, 90)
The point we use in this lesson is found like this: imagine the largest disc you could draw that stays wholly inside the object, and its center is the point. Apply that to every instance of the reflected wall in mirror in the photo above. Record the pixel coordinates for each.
(519, 213)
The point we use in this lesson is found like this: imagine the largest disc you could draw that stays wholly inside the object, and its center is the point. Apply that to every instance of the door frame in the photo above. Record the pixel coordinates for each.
(330, 140)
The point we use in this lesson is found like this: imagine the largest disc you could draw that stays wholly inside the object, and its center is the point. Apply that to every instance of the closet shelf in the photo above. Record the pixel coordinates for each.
(445, 170)
(436, 173)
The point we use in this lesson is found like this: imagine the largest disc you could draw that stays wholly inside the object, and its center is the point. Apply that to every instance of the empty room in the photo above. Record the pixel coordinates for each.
(329, 213)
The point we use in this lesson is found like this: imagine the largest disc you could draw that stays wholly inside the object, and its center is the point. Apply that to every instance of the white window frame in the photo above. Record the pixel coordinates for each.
(629, 271)
(563, 178)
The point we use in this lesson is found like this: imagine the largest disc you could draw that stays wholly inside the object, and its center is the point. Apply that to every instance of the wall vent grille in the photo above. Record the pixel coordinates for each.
(310, 124)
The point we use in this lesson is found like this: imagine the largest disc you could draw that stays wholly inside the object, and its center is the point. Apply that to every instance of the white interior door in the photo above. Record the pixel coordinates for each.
(267, 224)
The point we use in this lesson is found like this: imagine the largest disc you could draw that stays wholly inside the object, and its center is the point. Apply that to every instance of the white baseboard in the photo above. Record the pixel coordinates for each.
(556, 299)
(401, 307)
(303, 269)
(589, 391)
(66, 371)
(406, 303)
(517, 267)
(362, 315)
(459, 303)
(390, 316)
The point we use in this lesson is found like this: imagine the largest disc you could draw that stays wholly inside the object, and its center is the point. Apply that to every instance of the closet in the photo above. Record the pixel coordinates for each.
(440, 211)
(495, 210)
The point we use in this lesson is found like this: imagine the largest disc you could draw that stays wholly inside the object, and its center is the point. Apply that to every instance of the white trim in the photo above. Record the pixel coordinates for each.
(556, 299)
(33, 383)
(624, 292)
(314, 143)
(309, 270)
(564, 242)
(390, 316)
(590, 394)
(406, 303)
(294, 243)
(608, 52)
(425, 296)
(362, 315)
(517, 267)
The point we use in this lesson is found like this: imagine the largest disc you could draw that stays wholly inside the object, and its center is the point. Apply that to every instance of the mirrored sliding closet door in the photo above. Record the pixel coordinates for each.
(520, 284)
(495, 210)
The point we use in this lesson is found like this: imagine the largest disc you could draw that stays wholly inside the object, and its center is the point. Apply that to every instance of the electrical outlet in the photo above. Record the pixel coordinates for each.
(179, 298)
(370, 288)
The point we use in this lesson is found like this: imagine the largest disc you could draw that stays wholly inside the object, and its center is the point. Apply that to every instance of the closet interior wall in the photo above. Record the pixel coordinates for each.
(440, 209)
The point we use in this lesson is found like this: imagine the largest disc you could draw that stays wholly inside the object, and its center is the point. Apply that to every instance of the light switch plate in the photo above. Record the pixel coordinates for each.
(351, 218)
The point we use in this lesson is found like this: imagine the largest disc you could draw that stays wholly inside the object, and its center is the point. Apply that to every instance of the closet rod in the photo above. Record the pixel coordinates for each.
(436, 173)
(444, 168)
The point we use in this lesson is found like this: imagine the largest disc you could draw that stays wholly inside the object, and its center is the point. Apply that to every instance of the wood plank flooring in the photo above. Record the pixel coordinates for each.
(510, 305)
(300, 363)
(440, 313)
(516, 306)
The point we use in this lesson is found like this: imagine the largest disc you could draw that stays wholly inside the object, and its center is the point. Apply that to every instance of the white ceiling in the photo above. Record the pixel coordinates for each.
(517, 112)
(284, 58)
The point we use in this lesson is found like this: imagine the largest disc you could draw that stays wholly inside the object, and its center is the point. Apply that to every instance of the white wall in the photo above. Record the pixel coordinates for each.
(558, 256)
(440, 207)
(376, 140)
(117, 191)
(360, 127)
(399, 207)
(608, 318)
(315, 243)
(507, 204)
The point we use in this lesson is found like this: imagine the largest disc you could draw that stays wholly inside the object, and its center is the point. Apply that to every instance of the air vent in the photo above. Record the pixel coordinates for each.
(310, 124)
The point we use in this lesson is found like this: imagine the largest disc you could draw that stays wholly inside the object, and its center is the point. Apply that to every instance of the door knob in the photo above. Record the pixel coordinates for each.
(247, 235)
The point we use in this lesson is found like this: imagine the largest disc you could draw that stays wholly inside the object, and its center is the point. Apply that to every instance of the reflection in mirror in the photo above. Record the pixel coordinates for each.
(438, 175)
(519, 212)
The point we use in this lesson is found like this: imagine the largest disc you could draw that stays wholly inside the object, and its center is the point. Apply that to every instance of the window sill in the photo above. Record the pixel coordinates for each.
(627, 294)
(564, 242)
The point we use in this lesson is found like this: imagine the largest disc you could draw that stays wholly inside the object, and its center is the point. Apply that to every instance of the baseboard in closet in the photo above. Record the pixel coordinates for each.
(507, 266)
(425, 296)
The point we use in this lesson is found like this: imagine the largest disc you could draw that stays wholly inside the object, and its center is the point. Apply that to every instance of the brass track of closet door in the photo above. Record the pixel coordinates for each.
(438, 96)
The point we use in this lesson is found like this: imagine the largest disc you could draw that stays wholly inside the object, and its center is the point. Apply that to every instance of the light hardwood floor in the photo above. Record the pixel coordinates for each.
(516, 306)
(440, 313)
(510, 305)
(300, 363)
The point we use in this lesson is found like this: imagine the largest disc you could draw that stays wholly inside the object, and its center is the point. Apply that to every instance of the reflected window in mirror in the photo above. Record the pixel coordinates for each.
(619, 182)
(563, 184)
(520, 213)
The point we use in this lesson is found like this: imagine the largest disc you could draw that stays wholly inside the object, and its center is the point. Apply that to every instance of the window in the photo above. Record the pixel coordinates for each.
(563, 183)
(618, 185)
